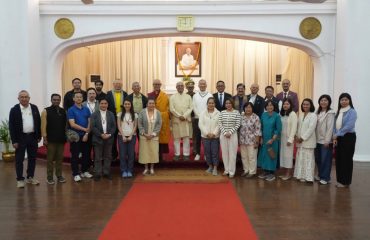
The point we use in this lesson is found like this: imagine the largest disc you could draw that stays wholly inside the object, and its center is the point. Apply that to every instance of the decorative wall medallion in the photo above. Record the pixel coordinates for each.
(185, 23)
(64, 28)
(310, 28)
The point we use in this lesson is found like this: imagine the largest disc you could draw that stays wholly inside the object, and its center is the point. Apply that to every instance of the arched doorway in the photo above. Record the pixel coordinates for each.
(321, 69)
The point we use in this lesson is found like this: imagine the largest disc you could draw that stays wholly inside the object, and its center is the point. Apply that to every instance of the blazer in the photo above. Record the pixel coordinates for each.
(324, 127)
(111, 101)
(220, 107)
(306, 130)
(259, 105)
(97, 127)
(144, 99)
(16, 123)
(144, 125)
(293, 96)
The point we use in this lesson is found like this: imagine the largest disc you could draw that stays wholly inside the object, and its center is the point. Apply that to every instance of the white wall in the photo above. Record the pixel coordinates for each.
(103, 22)
(20, 66)
(352, 72)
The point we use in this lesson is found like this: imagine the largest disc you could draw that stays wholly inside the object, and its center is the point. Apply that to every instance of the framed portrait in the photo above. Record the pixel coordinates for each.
(188, 59)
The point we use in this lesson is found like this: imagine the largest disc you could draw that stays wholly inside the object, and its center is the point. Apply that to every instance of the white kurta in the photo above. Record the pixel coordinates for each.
(181, 105)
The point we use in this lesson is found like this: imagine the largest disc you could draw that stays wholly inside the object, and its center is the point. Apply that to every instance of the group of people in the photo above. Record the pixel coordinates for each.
(267, 130)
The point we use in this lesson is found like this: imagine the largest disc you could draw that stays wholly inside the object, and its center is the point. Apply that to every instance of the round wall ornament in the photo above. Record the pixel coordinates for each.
(310, 28)
(64, 28)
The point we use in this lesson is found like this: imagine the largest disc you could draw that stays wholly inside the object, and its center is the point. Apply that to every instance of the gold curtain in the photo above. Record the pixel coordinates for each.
(231, 60)
(240, 61)
(129, 60)
(299, 70)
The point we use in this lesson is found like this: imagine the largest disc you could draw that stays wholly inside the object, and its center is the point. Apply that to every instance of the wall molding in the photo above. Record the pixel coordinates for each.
(186, 7)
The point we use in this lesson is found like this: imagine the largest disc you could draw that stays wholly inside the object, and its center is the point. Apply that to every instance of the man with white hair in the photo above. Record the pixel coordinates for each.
(115, 99)
(181, 106)
(257, 100)
(25, 133)
(200, 104)
(137, 99)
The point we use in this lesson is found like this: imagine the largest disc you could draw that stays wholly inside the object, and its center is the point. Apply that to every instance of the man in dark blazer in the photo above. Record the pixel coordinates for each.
(257, 100)
(115, 99)
(68, 97)
(220, 96)
(137, 99)
(25, 133)
(240, 98)
(103, 127)
(269, 91)
(286, 93)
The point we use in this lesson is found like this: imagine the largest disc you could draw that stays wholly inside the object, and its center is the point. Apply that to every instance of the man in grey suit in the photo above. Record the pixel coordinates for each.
(103, 127)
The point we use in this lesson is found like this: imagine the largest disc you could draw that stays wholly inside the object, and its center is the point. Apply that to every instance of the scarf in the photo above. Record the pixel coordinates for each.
(338, 123)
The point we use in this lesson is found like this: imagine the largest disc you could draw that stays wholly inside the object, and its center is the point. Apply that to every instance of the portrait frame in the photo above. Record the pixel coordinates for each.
(183, 70)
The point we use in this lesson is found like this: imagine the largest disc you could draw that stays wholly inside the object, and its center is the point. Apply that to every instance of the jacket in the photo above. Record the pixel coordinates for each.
(306, 130)
(97, 127)
(16, 123)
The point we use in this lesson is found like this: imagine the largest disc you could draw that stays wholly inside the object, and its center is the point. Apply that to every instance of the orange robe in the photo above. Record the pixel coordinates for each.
(162, 104)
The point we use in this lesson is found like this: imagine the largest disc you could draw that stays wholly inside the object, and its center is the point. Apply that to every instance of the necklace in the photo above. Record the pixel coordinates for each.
(103, 119)
(127, 119)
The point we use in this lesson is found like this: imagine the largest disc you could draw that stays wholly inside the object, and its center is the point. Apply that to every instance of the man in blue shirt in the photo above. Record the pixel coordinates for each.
(79, 121)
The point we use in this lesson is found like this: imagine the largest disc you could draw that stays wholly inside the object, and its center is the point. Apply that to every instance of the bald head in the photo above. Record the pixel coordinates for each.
(157, 85)
(254, 88)
(286, 85)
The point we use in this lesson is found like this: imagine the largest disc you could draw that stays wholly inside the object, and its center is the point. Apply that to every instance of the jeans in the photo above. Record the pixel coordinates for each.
(76, 149)
(323, 158)
(27, 142)
(211, 150)
(127, 154)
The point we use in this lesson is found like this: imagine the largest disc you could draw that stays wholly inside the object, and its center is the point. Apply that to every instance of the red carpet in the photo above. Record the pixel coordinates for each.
(180, 211)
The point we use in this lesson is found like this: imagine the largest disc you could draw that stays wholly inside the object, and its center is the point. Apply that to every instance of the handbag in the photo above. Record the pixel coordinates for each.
(271, 153)
(72, 136)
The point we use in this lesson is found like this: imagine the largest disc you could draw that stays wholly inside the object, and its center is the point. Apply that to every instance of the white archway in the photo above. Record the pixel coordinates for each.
(320, 62)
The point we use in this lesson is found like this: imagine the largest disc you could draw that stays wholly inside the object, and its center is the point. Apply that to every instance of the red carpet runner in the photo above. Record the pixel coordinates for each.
(180, 212)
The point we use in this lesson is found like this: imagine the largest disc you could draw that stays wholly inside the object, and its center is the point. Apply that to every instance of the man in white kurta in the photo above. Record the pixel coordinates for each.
(200, 105)
(181, 106)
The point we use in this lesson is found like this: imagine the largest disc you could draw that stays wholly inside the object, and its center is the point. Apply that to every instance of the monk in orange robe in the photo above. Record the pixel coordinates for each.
(162, 104)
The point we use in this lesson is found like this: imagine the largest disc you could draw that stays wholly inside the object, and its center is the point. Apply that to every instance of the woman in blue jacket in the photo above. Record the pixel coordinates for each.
(344, 138)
